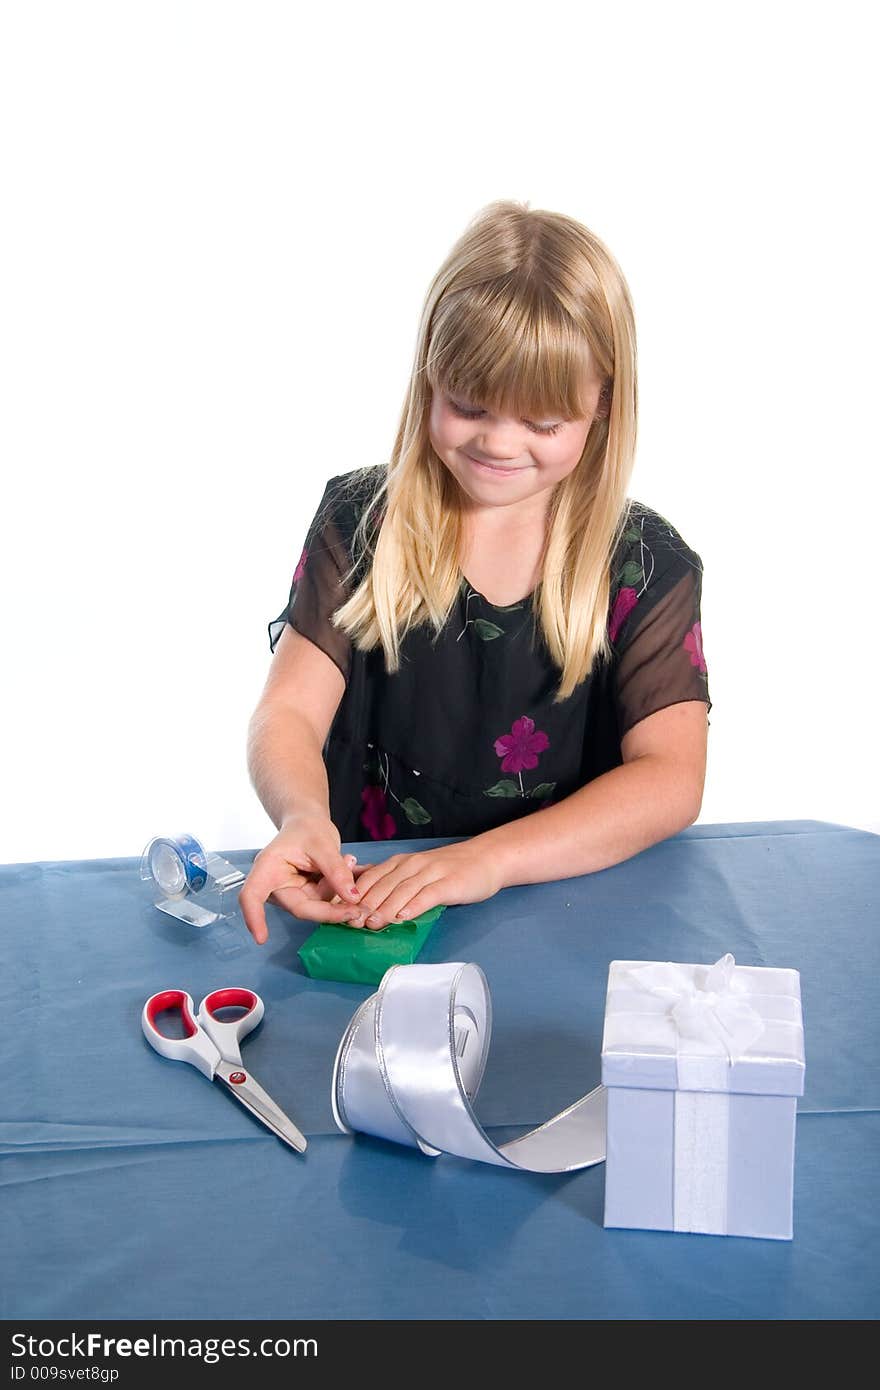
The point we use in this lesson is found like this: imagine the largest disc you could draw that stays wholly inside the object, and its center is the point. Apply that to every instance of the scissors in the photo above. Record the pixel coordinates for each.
(212, 1045)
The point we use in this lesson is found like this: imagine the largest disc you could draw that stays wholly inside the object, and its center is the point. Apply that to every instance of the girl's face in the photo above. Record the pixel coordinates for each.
(499, 461)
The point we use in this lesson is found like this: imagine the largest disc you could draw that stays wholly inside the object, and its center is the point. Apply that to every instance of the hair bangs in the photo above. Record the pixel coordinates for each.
(511, 354)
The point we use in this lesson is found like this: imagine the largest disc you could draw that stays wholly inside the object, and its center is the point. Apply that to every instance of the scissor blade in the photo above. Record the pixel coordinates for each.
(255, 1099)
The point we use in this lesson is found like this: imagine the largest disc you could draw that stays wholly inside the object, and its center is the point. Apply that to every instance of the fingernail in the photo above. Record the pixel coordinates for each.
(372, 920)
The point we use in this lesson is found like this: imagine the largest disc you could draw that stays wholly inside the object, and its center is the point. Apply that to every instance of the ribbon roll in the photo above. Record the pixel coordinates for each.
(410, 1064)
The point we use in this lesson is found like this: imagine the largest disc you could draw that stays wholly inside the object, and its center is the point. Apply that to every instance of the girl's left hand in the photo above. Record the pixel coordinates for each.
(405, 885)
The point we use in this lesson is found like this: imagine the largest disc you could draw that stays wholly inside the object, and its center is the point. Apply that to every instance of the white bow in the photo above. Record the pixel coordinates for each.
(708, 1014)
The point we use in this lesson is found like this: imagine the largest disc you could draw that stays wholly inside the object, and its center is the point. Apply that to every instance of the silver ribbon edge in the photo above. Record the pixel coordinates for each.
(563, 1155)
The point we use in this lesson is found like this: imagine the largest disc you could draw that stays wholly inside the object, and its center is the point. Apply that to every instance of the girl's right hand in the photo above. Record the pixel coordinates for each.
(302, 869)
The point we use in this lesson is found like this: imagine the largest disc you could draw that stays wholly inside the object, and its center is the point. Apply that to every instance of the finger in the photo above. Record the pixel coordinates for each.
(338, 872)
(309, 909)
(376, 873)
(382, 914)
(308, 889)
(372, 896)
(255, 891)
(322, 891)
(301, 881)
(402, 903)
(324, 888)
(374, 902)
(282, 897)
(426, 898)
(358, 870)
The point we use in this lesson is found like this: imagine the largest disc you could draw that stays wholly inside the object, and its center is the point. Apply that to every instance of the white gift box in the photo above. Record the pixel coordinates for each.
(702, 1065)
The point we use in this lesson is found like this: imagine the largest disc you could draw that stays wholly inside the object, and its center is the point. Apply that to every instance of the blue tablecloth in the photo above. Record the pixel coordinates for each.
(127, 1179)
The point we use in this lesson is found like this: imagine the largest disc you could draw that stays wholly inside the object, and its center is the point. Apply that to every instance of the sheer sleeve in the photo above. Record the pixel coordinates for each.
(656, 623)
(318, 586)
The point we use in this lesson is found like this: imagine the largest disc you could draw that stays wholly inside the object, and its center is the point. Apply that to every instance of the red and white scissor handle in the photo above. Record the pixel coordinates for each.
(209, 1039)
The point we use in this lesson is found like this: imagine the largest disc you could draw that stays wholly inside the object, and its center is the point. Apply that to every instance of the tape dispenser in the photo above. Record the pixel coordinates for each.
(190, 883)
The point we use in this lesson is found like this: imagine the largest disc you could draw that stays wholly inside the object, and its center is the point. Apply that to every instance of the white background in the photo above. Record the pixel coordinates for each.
(220, 221)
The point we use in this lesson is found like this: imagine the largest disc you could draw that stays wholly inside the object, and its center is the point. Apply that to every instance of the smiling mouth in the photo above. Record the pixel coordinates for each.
(492, 467)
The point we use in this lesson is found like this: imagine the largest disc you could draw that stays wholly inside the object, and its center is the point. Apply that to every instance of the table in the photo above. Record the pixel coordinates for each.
(123, 1174)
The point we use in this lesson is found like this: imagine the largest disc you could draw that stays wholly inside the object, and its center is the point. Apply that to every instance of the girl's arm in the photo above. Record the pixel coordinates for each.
(303, 866)
(654, 794)
(289, 727)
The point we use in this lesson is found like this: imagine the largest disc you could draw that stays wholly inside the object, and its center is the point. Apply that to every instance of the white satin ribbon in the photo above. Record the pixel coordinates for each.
(713, 1028)
(701, 1161)
(411, 1061)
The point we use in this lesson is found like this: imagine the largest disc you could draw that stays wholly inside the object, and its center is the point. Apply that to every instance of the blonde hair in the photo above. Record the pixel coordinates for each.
(527, 305)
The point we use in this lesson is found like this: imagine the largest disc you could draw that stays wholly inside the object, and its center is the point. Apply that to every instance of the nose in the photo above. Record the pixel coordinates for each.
(499, 443)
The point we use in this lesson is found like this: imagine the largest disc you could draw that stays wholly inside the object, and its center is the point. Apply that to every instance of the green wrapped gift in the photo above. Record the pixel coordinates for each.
(335, 951)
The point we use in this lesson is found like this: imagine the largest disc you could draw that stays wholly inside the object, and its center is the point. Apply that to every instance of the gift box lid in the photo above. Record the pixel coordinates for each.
(721, 1027)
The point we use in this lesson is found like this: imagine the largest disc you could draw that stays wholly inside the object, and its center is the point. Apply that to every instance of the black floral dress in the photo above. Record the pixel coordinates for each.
(465, 736)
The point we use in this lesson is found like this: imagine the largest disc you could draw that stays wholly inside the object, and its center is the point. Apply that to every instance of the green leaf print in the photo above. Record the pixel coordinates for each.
(543, 791)
(503, 788)
(632, 534)
(415, 811)
(631, 574)
(488, 631)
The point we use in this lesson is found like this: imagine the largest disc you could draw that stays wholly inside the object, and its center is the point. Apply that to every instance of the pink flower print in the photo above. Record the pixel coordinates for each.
(520, 748)
(375, 815)
(693, 643)
(300, 568)
(623, 605)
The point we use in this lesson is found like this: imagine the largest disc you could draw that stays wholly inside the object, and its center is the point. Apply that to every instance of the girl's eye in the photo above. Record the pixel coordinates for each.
(473, 414)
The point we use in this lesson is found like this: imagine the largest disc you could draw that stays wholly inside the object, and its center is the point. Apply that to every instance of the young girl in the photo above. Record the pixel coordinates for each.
(486, 638)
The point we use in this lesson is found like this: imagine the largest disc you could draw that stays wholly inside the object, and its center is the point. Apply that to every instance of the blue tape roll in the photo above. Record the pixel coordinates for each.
(178, 865)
